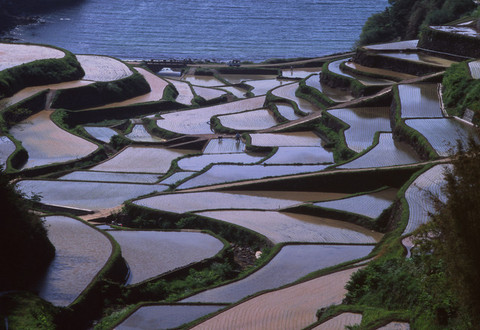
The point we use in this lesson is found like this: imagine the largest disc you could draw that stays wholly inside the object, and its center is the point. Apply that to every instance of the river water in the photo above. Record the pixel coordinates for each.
(204, 29)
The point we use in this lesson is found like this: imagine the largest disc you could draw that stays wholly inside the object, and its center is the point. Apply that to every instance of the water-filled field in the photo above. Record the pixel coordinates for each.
(419, 57)
(46, 143)
(290, 264)
(296, 139)
(81, 252)
(101, 133)
(224, 145)
(287, 111)
(110, 177)
(300, 155)
(443, 133)
(288, 92)
(400, 45)
(151, 253)
(474, 69)
(141, 160)
(261, 87)
(208, 93)
(364, 123)
(14, 54)
(399, 153)
(370, 205)
(206, 81)
(185, 93)
(250, 120)
(197, 163)
(103, 68)
(420, 100)
(7, 147)
(289, 227)
(140, 134)
(335, 94)
(335, 68)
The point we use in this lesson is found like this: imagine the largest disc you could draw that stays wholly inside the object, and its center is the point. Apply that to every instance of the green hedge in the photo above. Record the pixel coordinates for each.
(101, 93)
(313, 95)
(24, 109)
(450, 43)
(40, 72)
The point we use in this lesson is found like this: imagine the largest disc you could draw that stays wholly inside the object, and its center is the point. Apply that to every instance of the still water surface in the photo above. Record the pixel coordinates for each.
(205, 29)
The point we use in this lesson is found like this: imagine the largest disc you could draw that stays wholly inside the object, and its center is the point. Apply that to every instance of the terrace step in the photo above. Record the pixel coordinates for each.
(197, 144)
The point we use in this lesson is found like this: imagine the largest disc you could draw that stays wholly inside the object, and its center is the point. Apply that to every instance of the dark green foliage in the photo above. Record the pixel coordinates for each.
(101, 93)
(461, 91)
(119, 142)
(24, 109)
(403, 19)
(26, 250)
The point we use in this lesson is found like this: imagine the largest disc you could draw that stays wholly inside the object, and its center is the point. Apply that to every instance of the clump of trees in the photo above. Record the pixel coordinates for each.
(403, 19)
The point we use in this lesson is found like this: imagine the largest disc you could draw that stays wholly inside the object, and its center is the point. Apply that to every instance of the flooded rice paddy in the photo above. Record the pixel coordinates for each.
(399, 153)
(335, 68)
(208, 93)
(140, 134)
(287, 111)
(205, 81)
(152, 253)
(103, 68)
(7, 147)
(197, 163)
(288, 92)
(201, 201)
(370, 205)
(250, 120)
(224, 146)
(443, 133)
(141, 160)
(474, 67)
(103, 134)
(300, 155)
(185, 93)
(335, 94)
(289, 227)
(364, 123)
(219, 174)
(295, 139)
(341, 321)
(299, 72)
(81, 252)
(289, 265)
(46, 143)
(238, 78)
(261, 87)
(400, 45)
(110, 177)
(419, 57)
(15, 54)
(86, 195)
(149, 317)
(419, 100)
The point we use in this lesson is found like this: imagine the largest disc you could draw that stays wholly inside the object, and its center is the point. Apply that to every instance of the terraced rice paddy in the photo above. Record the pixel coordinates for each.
(296, 139)
(202, 201)
(335, 94)
(30, 91)
(238, 92)
(443, 133)
(290, 227)
(419, 100)
(462, 30)
(197, 121)
(86, 195)
(140, 134)
(151, 253)
(377, 71)
(185, 93)
(110, 177)
(101, 133)
(81, 252)
(270, 310)
(169, 316)
(341, 321)
(219, 174)
(400, 45)
(334, 67)
(250, 120)
(141, 160)
(238, 78)
(208, 93)
(224, 145)
(386, 153)
(289, 265)
(418, 197)
(103, 68)
(197, 163)
(419, 57)
(288, 92)
(261, 87)
(300, 155)
(206, 81)
(7, 147)
(370, 205)
(178, 176)
(46, 143)
(364, 123)
(474, 69)
(287, 111)
(15, 54)
(299, 72)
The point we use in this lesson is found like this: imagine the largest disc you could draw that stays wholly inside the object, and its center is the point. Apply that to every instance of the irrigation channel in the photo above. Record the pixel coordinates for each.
(227, 191)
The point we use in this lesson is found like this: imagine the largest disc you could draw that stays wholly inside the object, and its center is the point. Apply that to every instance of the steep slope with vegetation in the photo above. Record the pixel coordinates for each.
(403, 19)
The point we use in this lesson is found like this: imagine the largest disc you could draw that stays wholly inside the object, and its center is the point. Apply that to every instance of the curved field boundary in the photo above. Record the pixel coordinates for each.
(103, 68)
(16, 54)
(340, 321)
(7, 147)
(289, 92)
(81, 252)
(249, 120)
(184, 89)
(290, 264)
(300, 155)
(418, 196)
(420, 101)
(290, 308)
(395, 46)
